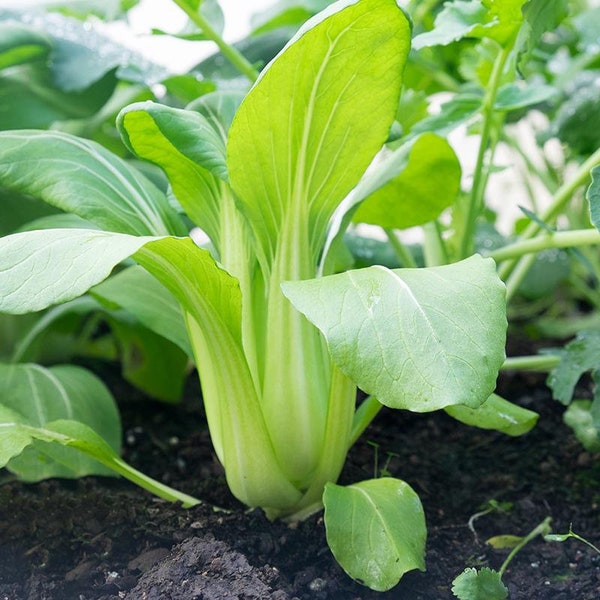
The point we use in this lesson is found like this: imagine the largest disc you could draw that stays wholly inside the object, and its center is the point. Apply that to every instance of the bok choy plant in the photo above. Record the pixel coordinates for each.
(281, 340)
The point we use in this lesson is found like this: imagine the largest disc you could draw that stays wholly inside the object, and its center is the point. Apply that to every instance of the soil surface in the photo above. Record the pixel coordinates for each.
(105, 539)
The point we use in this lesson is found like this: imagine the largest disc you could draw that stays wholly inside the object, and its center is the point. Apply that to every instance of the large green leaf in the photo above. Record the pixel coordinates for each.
(39, 395)
(188, 149)
(420, 192)
(140, 294)
(82, 177)
(420, 339)
(40, 268)
(376, 530)
(312, 123)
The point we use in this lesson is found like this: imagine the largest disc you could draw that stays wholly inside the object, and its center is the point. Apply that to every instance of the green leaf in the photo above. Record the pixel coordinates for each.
(593, 197)
(30, 99)
(40, 268)
(148, 361)
(420, 339)
(219, 109)
(140, 294)
(376, 530)
(497, 414)
(484, 584)
(312, 123)
(514, 96)
(81, 177)
(186, 146)
(504, 542)
(40, 395)
(21, 44)
(212, 304)
(456, 20)
(541, 17)
(499, 20)
(419, 193)
(580, 419)
(578, 356)
(453, 113)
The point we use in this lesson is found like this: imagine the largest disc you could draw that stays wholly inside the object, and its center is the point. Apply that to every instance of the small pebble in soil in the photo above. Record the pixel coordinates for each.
(317, 585)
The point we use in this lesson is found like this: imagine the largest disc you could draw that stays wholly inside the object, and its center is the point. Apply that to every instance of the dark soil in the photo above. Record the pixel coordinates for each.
(105, 539)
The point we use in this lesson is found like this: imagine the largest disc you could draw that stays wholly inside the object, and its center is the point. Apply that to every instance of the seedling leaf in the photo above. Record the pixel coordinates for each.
(376, 530)
(484, 584)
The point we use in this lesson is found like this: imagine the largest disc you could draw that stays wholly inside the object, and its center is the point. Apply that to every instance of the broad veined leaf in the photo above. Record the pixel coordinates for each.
(497, 414)
(312, 123)
(40, 268)
(376, 530)
(40, 395)
(21, 44)
(212, 303)
(484, 584)
(135, 290)
(82, 177)
(186, 146)
(593, 197)
(419, 339)
(429, 184)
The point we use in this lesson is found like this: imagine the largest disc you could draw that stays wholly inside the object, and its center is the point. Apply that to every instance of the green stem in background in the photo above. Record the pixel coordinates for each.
(402, 252)
(481, 173)
(363, 417)
(233, 55)
(434, 248)
(524, 252)
(517, 268)
(542, 529)
(541, 363)
(560, 239)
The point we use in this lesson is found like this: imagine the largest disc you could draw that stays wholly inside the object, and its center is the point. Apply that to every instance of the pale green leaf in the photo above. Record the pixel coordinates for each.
(419, 339)
(541, 17)
(376, 530)
(504, 542)
(429, 183)
(135, 290)
(484, 584)
(497, 414)
(40, 395)
(40, 268)
(186, 146)
(12, 439)
(212, 304)
(82, 177)
(312, 123)
(219, 109)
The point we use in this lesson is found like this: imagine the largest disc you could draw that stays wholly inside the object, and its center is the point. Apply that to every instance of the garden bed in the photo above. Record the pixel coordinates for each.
(105, 539)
